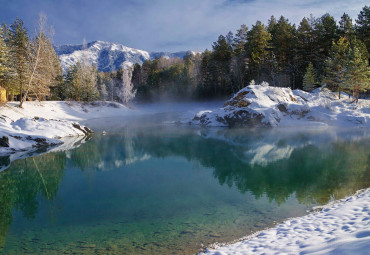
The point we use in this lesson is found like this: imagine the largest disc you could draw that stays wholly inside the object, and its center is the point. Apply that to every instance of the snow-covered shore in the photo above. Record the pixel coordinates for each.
(342, 227)
(40, 124)
(64, 110)
(262, 105)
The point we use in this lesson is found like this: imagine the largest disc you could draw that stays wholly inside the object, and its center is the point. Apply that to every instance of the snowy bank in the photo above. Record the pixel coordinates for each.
(262, 105)
(35, 132)
(342, 227)
(64, 110)
(43, 124)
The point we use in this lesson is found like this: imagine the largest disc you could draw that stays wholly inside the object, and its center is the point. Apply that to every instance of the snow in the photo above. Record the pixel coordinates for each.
(342, 227)
(64, 110)
(54, 120)
(48, 123)
(108, 56)
(285, 107)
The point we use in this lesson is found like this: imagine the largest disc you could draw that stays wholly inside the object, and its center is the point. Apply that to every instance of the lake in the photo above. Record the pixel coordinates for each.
(173, 189)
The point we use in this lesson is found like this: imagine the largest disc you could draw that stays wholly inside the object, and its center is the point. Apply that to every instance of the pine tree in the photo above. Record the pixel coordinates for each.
(346, 28)
(309, 79)
(4, 53)
(326, 32)
(222, 54)
(306, 46)
(257, 48)
(203, 89)
(239, 60)
(18, 42)
(306, 39)
(284, 43)
(8, 79)
(363, 26)
(271, 23)
(89, 90)
(58, 89)
(100, 85)
(109, 85)
(230, 39)
(86, 78)
(336, 65)
(357, 72)
(240, 39)
(72, 83)
(80, 82)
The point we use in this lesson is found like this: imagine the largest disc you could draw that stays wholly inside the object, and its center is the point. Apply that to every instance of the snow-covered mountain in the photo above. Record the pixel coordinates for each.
(108, 56)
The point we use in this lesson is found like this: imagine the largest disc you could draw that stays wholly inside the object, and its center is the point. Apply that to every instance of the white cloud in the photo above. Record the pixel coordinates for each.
(170, 25)
(195, 24)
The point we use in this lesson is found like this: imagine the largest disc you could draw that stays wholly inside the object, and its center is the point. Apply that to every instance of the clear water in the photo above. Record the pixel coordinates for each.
(165, 189)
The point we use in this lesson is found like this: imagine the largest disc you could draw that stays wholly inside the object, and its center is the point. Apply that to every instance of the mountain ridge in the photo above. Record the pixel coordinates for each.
(108, 56)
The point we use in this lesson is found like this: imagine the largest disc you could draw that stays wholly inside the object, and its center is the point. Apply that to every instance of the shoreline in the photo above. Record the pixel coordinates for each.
(47, 125)
(341, 226)
(67, 111)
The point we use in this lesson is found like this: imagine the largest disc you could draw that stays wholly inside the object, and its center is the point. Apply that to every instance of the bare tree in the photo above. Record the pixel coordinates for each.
(127, 93)
(44, 63)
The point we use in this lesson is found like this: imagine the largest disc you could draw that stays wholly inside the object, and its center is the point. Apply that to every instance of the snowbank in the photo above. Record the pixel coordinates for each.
(342, 227)
(41, 124)
(64, 110)
(261, 105)
(33, 132)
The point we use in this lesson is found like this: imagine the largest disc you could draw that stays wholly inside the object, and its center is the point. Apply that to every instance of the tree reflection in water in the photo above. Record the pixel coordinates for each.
(315, 166)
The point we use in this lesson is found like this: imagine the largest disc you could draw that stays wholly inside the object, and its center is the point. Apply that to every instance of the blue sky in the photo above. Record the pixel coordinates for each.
(162, 25)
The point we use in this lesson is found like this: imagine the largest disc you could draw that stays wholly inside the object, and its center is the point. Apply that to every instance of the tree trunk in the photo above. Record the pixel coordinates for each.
(339, 91)
(32, 75)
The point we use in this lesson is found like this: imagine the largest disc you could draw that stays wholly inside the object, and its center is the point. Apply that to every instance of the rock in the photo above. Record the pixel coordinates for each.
(244, 118)
(114, 105)
(196, 118)
(40, 142)
(4, 141)
(203, 120)
(84, 129)
(293, 99)
(16, 137)
(255, 106)
(238, 100)
(88, 130)
(282, 108)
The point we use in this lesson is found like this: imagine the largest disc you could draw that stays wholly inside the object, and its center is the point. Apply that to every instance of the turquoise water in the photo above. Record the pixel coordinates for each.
(173, 189)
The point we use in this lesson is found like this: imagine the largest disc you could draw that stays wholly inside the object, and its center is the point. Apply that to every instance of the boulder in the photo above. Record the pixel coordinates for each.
(84, 129)
(254, 106)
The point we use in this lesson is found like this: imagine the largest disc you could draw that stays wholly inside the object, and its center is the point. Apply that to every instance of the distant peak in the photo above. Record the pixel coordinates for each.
(109, 56)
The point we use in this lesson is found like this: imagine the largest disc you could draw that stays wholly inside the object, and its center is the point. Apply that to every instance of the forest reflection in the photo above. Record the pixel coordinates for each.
(314, 166)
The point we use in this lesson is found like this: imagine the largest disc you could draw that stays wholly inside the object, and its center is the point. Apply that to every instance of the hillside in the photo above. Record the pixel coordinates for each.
(108, 56)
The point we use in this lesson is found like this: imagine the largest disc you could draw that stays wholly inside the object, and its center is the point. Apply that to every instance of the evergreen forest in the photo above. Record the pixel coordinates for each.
(316, 52)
